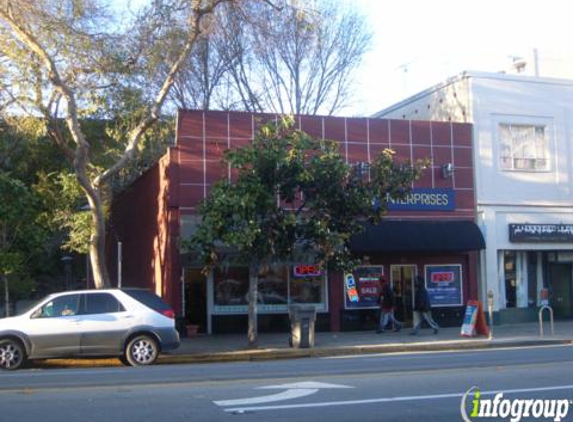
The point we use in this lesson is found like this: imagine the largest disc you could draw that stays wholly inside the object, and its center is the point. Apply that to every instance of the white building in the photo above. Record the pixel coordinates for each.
(523, 155)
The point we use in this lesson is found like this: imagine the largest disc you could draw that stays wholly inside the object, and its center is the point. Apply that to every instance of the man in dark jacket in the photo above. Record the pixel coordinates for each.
(387, 304)
(422, 307)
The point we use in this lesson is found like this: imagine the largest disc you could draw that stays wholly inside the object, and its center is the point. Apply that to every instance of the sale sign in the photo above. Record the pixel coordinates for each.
(367, 284)
(444, 284)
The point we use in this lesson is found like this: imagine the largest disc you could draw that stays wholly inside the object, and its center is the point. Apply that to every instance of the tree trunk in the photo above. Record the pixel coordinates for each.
(253, 298)
(97, 239)
(6, 295)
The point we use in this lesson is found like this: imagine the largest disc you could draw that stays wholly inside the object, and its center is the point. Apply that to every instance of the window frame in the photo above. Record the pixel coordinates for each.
(39, 313)
(86, 299)
(540, 154)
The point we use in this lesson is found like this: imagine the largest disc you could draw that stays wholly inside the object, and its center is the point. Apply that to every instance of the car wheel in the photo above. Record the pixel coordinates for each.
(12, 354)
(141, 350)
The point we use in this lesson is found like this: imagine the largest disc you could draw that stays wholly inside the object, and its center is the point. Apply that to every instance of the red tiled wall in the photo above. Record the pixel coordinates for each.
(202, 137)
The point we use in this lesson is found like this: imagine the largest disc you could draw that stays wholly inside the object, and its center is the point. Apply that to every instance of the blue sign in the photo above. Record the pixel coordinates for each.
(444, 284)
(425, 199)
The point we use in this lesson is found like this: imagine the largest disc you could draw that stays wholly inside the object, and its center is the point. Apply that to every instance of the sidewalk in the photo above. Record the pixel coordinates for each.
(233, 347)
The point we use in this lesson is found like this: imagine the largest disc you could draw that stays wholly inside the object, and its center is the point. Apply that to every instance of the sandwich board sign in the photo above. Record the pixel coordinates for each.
(474, 320)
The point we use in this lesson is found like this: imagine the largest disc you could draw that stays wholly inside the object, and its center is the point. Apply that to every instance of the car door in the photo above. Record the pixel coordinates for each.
(53, 328)
(103, 322)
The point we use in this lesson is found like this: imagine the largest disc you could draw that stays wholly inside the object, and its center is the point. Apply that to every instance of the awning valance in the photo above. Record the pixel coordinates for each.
(418, 236)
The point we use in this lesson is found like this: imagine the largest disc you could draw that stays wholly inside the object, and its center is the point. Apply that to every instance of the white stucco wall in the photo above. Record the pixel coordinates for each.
(505, 197)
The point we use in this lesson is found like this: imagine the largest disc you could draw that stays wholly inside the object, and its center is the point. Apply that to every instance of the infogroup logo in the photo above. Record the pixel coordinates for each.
(513, 409)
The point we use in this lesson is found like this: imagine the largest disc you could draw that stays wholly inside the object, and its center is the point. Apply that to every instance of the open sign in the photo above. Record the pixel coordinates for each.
(307, 270)
(443, 277)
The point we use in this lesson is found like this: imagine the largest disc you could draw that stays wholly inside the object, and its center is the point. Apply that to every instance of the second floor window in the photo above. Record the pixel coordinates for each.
(523, 147)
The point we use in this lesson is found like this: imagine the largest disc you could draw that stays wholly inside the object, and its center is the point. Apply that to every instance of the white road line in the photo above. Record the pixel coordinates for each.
(285, 395)
(395, 399)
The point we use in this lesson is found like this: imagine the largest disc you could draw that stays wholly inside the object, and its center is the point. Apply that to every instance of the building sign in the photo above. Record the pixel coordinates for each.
(363, 287)
(558, 233)
(444, 284)
(425, 199)
(307, 270)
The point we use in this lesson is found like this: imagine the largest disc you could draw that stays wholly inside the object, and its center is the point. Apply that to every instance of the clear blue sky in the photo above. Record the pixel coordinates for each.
(418, 43)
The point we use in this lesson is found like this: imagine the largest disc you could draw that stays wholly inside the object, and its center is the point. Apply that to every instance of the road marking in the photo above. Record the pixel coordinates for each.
(306, 384)
(394, 399)
(285, 395)
(294, 391)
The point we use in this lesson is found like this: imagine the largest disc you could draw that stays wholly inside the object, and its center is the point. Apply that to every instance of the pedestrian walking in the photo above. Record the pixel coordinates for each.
(387, 302)
(422, 307)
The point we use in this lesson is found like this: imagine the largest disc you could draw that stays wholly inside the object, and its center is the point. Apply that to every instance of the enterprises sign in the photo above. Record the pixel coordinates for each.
(425, 199)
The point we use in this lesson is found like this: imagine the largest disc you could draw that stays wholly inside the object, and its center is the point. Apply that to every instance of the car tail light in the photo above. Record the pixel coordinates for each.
(168, 313)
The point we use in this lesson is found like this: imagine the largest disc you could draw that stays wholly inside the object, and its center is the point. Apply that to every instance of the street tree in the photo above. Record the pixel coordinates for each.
(71, 61)
(299, 60)
(293, 196)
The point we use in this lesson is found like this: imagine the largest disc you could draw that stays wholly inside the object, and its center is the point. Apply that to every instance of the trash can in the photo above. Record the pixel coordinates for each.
(302, 319)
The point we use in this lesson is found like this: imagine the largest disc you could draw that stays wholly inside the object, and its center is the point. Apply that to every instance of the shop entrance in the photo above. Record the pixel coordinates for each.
(560, 279)
(195, 298)
(402, 279)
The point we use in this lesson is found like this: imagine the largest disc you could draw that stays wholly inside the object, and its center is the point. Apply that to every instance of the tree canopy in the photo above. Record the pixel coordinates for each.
(293, 196)
(72, 61)
(299, 59)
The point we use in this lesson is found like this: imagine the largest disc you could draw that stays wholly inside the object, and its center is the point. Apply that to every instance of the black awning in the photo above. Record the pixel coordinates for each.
(419, 236)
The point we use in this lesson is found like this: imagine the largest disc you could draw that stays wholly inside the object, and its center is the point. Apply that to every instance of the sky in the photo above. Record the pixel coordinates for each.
(418, 43)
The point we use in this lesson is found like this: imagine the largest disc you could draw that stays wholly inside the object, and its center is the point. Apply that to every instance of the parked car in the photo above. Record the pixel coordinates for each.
(132, 324)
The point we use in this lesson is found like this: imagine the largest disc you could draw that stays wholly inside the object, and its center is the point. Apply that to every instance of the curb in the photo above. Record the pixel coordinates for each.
(318, 352)
(321, 352)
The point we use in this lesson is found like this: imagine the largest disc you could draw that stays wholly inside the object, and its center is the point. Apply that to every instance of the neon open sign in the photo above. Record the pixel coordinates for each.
(307, 270)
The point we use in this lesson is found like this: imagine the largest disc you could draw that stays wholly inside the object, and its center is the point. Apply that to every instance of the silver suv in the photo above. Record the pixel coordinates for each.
(132, 324)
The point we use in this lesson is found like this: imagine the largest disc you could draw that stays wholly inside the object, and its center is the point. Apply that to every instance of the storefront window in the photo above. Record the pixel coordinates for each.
(307, 290)
(276, 290)
(230, 286)
(510, 276)
(273, 286)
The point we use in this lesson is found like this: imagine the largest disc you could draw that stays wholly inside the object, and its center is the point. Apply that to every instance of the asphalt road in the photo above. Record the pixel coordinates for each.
(402, 387)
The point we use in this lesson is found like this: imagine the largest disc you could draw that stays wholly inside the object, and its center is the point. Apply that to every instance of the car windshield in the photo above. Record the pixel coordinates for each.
(22, 309)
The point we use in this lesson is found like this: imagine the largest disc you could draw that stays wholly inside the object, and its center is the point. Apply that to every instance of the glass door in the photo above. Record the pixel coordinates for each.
(562, 298)
(402, 281)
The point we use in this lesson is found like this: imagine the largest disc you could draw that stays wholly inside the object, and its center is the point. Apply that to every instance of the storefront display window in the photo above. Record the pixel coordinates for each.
(308, 290)
(230, 286)
(279, 287)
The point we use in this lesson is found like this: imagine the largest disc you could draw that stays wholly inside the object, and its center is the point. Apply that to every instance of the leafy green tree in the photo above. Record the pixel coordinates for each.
(20, 235)
(71, 61)
(293, 195)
